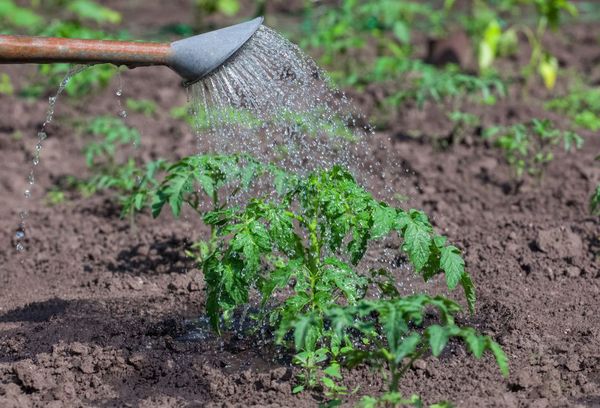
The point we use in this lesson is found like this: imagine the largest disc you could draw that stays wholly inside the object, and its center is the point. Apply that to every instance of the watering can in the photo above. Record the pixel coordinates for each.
(192, 58)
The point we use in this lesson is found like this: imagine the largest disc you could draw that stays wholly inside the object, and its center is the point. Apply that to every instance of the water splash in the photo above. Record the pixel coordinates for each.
(272, 101)
(41, 136)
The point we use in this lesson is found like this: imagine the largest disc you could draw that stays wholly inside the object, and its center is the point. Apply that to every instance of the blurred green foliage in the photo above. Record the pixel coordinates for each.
(227, 7)
(6, 86)
(146, 107)
(369, 42)
(581, 105)
(77, 19)
(494, 26)
(372, 42)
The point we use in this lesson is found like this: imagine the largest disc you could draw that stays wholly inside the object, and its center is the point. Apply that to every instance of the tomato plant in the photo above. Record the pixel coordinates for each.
(528, 147)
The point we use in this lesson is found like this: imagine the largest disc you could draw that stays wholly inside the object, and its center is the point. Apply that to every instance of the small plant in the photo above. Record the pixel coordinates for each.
(386, 27)
(394, 334)
(110, 132)
(55, 197)
(146, 107)
(528, 147)
(582, 106)
(463, 123)
(425, 82)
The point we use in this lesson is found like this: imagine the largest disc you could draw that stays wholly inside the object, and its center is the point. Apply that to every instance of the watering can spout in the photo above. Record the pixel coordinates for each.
(195, 57)
(192, 58)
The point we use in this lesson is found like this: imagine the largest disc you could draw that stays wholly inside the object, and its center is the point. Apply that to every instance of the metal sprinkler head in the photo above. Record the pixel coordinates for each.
(195, 57)
(192, 58)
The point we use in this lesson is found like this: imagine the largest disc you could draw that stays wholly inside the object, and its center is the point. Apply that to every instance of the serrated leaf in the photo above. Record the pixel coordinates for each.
(384, 219)
(417, 241)
(453, 265)
(477, 344)
(207, 183)
(438, 338)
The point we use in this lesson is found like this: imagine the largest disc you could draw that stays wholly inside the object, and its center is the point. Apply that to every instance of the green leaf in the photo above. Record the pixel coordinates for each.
(417, 241)
(453, 265)
(328, 382)
(333, 370)
(477, 344)
(501, 358)
(438, 338)
(344, 278)
(548, 69)
(305, 333)
(207, 183)
(407, 347)
(469, 290)
(384, 219)
(297, 389)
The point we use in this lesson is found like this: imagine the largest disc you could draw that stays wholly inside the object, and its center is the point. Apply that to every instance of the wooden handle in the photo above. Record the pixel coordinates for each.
(16, 49)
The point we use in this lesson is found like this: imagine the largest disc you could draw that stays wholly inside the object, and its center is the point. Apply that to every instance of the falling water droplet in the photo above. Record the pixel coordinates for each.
(41, 136)
(123, 114)
(119, 92)
(20, 234)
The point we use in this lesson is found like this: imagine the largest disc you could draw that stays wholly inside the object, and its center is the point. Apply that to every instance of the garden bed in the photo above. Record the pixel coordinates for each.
(93, 313)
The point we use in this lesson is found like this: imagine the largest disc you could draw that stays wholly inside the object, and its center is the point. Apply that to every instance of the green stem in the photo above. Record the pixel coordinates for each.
(213, 230)
(314, 255)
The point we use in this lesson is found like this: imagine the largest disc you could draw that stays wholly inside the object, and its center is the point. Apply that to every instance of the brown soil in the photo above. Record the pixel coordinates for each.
(93, 313)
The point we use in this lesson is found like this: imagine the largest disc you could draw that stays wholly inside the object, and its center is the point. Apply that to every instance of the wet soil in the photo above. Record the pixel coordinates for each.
(94, 312)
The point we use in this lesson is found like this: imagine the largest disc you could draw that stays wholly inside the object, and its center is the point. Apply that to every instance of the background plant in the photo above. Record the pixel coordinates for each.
(339, 36)
(497, 37)
(529, 147)
(581, 105)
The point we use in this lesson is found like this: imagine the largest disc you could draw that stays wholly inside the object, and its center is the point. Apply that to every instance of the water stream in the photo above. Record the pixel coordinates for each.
(41, 136)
